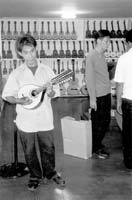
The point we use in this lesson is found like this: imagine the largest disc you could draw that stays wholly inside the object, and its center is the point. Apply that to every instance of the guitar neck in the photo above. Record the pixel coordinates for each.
(54, 81)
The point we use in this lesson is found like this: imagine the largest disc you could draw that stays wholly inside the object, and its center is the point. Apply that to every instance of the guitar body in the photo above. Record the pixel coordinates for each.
(80, 51)
(15, 33)
(3, 35)
(84, 90)
(26, 91)
(42, 33)
(73, 88)
(67, 34)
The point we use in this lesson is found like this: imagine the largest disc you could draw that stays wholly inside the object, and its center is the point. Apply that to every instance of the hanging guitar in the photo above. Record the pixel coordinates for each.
(3, 34)
(88, 31)
(73, 88)
(35, 32)
(36, 93)
(15, 33)
(112, 33)
(42, 33)
(73, 35)
(119, 33)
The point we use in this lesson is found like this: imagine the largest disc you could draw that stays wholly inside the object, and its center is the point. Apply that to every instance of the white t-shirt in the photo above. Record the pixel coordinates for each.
(123, 74)
(40, 118)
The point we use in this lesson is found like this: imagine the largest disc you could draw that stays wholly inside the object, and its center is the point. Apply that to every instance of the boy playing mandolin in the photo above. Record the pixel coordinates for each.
(38, 121)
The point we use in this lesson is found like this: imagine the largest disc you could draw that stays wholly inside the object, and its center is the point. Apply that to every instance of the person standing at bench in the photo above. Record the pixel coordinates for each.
(99, 88)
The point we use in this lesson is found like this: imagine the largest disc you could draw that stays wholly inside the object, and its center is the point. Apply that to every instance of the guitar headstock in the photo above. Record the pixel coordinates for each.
(62, 77)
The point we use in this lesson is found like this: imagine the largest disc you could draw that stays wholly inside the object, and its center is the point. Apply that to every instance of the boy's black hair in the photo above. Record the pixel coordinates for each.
(25, 40)
(128, 36)
(101, 34)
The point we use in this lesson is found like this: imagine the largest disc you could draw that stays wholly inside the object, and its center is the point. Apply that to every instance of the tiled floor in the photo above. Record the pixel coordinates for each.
(91, 179)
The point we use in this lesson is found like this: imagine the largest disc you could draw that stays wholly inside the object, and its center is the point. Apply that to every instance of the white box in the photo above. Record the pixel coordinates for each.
(77, 137)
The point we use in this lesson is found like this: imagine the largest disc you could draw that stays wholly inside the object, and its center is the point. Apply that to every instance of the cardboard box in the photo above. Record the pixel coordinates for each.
(77, 137)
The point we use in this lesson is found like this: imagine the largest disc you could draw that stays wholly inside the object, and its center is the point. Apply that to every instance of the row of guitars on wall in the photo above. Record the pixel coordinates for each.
(62, 30)
(48, 49)
(58, 65)
(117, 28)
(43, 30)
(65, 49)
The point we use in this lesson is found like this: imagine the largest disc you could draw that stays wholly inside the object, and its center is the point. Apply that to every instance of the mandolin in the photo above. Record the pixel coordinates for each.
(119, 33)
(55, 52)
(15, 64)
(35, 32)
(118, 49)
(28, 28)
(94, 32)
(77, 67)
(42, 33)
(49, 51)
(36, 93)
(112, 33)
(113, 53)
(88, 31)
(125, 29)
(15, 33)
(48, 35)
(80, 51)
(67, 34)
(55, 34)
(61, 33)
(10, 68)
(74, 51)
(22, 31)
(61, 51)
(124, 48)
(3, 35)
(54, 68)
(73, 34)
(5, 68)
(68, 52)
(3, 50)
(9, 33)
(9, 52)
(73, 88)
(42, 51)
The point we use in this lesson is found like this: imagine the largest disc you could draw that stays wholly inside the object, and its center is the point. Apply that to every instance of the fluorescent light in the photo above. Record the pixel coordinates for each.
(68, 13)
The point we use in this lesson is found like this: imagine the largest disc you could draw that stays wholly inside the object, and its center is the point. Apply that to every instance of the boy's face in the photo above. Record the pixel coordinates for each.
(105, 42)
(29, 55)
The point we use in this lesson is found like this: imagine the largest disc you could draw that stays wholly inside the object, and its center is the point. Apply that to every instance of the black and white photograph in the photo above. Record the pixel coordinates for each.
(65, 100)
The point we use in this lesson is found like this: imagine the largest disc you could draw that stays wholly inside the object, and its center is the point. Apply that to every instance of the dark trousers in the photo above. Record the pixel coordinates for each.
(127, 132)
(45, 166)
(100, 120)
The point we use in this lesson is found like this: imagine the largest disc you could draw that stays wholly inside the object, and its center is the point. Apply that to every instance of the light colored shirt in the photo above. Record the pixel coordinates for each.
(123, 74)
(40, 118)
(97, 75)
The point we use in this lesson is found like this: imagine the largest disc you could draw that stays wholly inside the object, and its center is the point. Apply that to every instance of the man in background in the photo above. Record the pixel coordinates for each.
(123, 78)
(99, 87)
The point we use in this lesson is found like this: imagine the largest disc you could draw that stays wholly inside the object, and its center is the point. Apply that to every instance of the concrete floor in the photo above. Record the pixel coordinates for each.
(91, 179)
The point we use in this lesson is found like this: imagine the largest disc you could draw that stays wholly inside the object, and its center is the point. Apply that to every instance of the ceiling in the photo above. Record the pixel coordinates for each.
(51, 8)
